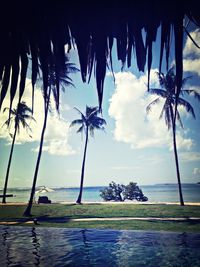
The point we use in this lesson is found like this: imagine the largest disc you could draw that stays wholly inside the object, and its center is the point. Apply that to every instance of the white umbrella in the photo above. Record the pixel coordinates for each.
(44, 189)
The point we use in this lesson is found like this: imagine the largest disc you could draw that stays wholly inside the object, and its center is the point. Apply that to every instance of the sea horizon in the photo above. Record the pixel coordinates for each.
(93, 186)
(166, 192)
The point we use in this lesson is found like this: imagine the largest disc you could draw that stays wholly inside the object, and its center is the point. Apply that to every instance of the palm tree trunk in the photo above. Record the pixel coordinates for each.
(176, 159)
(8, 168)
(27, 211)
(83, 169)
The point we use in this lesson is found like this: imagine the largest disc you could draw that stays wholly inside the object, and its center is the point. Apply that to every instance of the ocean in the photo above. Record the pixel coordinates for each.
(155, 193)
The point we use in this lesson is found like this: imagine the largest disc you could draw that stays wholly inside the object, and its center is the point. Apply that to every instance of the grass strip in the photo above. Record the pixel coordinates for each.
(60, 215)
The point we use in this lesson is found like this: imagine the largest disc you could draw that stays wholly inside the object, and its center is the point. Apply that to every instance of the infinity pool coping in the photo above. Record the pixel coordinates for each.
(30, 221)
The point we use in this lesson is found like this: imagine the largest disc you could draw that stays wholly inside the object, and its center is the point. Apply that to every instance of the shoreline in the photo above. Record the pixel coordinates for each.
(104, 203)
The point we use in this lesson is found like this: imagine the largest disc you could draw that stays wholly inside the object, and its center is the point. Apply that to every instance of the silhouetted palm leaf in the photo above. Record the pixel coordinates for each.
(179, 119)
(156, 101)
(157, 91)
(89, 120)
(75, 122)
(182, 102)
(45, 31)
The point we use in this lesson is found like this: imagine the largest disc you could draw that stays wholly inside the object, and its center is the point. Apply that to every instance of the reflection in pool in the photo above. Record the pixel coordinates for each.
(26, 246)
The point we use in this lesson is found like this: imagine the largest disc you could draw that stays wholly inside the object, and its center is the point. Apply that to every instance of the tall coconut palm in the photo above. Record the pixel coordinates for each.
(52, 89)
(88, 123)
(19, 116)
(170, 109)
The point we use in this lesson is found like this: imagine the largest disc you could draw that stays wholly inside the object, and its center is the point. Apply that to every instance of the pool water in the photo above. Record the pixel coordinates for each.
(27, 246)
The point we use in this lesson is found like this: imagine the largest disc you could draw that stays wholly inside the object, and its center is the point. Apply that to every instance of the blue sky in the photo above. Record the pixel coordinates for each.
(134, 147)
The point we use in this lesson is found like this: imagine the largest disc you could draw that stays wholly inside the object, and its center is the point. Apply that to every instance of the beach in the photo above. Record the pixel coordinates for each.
(108, 202)
(159, 193)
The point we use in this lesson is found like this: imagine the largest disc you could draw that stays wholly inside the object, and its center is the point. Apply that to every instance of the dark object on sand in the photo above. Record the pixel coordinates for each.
(7, 195)
(35, 221)
(44, 199)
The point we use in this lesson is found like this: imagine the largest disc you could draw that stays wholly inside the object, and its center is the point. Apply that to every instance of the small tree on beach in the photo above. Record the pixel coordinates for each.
(170, 111)
(88, 123)
(120, 192)
(18, 116)
(113, 192)
(132, 191)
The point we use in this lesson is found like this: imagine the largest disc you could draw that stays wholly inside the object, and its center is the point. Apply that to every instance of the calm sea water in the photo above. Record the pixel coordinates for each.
(155, 193)
(27, 246)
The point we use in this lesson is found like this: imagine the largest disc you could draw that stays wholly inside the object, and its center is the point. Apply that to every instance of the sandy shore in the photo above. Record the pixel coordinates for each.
(126, 202)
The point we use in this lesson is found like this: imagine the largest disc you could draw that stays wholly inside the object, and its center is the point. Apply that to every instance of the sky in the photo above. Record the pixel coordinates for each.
(134, 146)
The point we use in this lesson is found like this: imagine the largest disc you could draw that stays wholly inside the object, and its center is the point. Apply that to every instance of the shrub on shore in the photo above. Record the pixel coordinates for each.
(120, 192)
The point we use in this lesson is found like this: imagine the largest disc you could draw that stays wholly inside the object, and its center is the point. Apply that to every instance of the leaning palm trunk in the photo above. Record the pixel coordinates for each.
(177, 168)
(176, 154)
(8, 168)
(27, 211)
(83, 169)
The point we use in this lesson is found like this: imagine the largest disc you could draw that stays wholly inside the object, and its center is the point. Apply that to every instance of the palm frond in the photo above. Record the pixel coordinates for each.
(179, 119)
(155, 101)
(157, 91)
(169, 84)
(82, 115)
(182, 102)
(165, 109)
(91, 130)
(23, 108)
(28, 117)
(93, 29)
(12, 112)
(91, 111)
(19, 116)
(90, 120)
(79, 111)
(185, 80)
(161, 78)
(26, 125)
(7, 123)
(76, 122)
(191, 92)
(96, 121)
(168, 116)
(81, 129)
(192, 39)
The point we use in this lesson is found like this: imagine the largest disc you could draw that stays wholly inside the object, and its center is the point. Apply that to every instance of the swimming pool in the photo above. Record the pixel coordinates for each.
(27, 246)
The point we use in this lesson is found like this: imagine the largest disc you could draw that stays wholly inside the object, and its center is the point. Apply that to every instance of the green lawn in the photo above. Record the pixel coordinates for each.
(54, 214)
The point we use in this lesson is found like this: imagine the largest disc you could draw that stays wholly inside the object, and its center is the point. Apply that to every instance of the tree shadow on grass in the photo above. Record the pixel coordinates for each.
(58, 219)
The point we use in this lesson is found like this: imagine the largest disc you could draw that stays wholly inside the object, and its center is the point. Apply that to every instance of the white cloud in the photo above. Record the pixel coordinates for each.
(190, 48)
(183, 142)
(192, 65)
(132, 125)
(189, 156)
(73, 171)
(196, 171)
(57, 131)
(125, 168)
(191, 62)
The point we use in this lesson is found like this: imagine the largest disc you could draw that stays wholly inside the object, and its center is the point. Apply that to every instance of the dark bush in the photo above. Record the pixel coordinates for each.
(120, 192)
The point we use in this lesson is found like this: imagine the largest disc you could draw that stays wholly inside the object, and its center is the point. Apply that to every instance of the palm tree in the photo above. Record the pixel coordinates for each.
(53, 88)
(170, 109)
(19, 116)
(88, 123)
